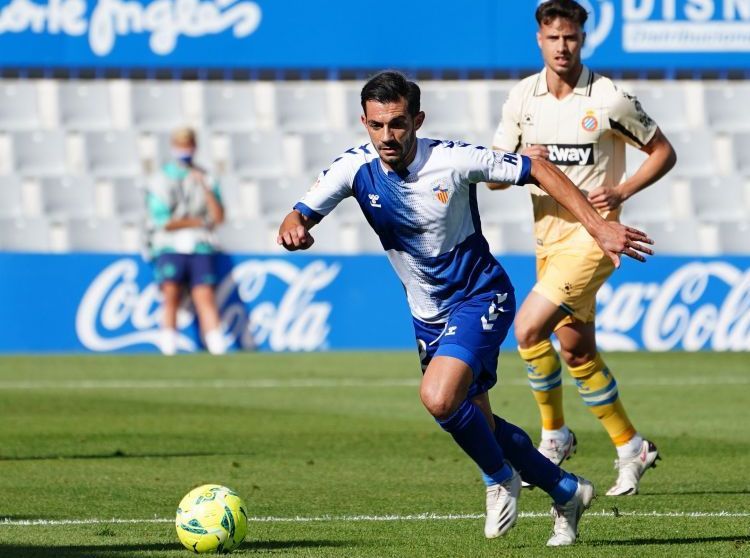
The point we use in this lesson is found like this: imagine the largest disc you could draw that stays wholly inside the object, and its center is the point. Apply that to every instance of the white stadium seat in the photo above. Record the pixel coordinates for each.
(741, 149)
(247, 236)
(517, 238)
(679, 237)
(25, 235)
(511, 205)
(40, 153)
(67, 196)
(321, 149)
(666, 104)
(112, 153)
(446, 108)
(11, 196)
(278, 196)
(157, 106)
(92, 235)
(229, 107)
(734, 238)
(85, 105)
(257, 155)
(19, 108)
(727, 107)
(718, 199)
(652, 204)
(695, 153)
(302, 107)
(129, 196)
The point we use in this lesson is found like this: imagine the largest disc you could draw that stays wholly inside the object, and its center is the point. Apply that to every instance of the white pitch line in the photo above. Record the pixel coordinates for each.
(318, 383)
(371, 518)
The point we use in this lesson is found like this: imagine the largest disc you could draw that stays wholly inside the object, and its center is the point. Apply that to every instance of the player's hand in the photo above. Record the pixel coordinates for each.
(294, 237)
(538, 151)
(606, 197)
(616, 240)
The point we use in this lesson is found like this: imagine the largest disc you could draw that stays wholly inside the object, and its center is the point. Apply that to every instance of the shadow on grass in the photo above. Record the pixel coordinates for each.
(126, 550)
(739, 540)
(119, 454)
(697, 492)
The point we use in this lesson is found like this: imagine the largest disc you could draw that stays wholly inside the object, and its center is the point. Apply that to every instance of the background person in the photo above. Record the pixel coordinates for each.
(184, 205)
(580, 121)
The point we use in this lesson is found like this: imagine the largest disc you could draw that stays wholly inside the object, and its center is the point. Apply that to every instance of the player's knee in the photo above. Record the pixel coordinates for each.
(438, 403)
(527, 333)
(574, 359)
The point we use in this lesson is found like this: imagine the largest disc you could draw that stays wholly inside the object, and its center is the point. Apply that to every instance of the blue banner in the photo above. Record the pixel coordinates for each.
(99, 303)
(333, 35)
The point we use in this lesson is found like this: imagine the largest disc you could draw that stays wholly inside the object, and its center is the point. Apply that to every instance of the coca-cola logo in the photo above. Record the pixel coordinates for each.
(115, 313)
(701, 305)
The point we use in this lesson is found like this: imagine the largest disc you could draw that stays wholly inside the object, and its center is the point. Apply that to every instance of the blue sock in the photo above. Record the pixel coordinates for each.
(470, 430)
(533, 467)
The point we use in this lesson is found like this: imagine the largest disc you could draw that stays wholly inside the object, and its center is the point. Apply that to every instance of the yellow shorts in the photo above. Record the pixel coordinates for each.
(570, 277)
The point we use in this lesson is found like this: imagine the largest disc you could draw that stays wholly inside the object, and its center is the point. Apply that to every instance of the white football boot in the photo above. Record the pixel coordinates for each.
(566, 516)
(556, 451)
(502, 506)
(631, 470)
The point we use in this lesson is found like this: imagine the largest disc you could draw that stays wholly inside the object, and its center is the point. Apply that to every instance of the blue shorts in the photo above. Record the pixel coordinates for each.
(186, 269)
(473, 333)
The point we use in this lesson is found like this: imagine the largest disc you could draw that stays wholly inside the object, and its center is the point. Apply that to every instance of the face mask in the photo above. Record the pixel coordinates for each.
(184, 156)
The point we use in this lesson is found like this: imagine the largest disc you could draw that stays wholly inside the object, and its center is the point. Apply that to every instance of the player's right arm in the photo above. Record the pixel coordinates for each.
(332, 186)
(508, 134)
(612, 237)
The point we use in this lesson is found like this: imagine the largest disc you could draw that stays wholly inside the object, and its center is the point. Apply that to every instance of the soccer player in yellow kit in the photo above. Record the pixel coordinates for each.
(580, 121)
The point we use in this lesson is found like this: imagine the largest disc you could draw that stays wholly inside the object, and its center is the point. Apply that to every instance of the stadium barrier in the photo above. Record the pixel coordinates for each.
(103, 303)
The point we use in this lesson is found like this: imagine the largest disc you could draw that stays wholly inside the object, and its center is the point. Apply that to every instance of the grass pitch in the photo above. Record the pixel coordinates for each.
(336, 457)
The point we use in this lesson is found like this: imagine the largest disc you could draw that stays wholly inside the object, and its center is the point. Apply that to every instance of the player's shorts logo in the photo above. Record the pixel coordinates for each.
(441, 193)
(589, 122)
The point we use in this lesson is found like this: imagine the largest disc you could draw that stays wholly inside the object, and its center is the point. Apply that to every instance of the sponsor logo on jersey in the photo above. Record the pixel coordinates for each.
(566, 154)
(441, 193)
(589, 122)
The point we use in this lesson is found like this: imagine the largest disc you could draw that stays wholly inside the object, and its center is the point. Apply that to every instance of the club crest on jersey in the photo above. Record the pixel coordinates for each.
(441, 193)
(589, 122)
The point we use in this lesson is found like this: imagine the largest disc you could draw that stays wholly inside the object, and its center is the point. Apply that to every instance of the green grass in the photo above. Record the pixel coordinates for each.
(294, 439)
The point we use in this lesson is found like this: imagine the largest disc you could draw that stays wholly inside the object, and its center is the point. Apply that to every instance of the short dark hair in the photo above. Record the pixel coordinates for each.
(565, 9)
(391, 87)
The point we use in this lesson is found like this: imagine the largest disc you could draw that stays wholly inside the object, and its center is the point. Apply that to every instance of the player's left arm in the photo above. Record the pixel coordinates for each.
(629, 121)
(613, 238)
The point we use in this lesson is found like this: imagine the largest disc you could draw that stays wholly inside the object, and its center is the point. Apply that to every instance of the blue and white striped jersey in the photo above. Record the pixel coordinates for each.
(427, 220)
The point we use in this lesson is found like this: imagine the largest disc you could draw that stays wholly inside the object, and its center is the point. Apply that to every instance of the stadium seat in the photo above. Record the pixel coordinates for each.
(320, 150)
(68, 196)
(229, 107)
(517, 238)
(510, 205)
(250, 236)
(332, 237)
(666, 104)
(257, 155)
(695, 154)
(157, 106)
(91, 235)
(19, 108)
(84, 105)
(11, 196)
(741, 148)
(348, 211)
(302, 108)
(40, 153)
(727, 107)
(25, 235)
(497, 96)
(652, 204)
(231, 199)
(734, 238)
(367, 241)
(112, 153)
(718, 199)
(278, 196)
(129, 195)
(447, 109)
(674, 237)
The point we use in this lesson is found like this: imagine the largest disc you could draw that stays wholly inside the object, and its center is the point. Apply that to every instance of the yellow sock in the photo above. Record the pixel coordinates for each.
(598, 389)
(544, 372)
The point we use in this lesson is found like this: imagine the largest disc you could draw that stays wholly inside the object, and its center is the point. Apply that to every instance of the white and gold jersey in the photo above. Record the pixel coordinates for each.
(585, 134)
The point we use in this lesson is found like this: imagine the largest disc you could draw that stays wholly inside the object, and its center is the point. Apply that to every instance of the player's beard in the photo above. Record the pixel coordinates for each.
(396, 159)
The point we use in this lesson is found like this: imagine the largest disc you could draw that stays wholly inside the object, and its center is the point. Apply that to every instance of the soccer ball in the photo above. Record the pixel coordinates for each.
(211, 519)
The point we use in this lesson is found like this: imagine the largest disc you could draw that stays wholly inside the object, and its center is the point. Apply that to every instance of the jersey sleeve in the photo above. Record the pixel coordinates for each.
(508, 133)
(629, 121)
(479, 164)
(332, 186)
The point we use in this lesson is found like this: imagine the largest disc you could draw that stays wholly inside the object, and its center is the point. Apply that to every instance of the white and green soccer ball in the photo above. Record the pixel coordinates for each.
(211, 519)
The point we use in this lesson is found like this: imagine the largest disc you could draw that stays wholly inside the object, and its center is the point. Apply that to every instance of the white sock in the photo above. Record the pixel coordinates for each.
(631, 448)
(559, 435)
(215, 342)
(169, 341)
